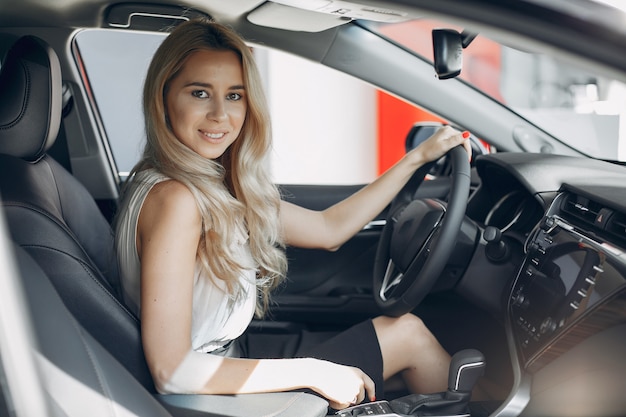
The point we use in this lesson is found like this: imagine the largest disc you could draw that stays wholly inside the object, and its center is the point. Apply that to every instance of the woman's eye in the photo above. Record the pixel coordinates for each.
(234, 96)
(200, 94)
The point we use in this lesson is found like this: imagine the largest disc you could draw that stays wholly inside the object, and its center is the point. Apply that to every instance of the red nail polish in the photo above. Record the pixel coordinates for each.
(373, 398)
(466, 134)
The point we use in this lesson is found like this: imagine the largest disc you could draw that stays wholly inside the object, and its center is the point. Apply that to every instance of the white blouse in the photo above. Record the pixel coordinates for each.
(217, 316)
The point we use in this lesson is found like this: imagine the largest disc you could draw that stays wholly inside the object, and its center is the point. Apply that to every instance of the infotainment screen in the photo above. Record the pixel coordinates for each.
(564, 276)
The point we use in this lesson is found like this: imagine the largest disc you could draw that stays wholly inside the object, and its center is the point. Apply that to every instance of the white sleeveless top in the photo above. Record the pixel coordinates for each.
(217, 317)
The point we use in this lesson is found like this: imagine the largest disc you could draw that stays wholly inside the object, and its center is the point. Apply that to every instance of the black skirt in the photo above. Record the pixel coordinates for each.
(357, 346)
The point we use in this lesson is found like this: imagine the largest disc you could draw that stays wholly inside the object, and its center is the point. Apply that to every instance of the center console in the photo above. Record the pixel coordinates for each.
(569, 287)
(377, 408)
(466, 366)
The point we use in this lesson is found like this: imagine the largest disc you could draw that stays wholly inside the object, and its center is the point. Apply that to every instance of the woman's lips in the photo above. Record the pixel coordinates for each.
(214, 136)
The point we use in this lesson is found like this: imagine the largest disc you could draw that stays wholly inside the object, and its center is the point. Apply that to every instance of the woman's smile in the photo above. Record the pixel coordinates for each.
(214, 137)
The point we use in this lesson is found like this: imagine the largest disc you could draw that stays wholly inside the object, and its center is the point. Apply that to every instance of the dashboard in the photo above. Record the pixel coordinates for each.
(571, 284)
(563, 220)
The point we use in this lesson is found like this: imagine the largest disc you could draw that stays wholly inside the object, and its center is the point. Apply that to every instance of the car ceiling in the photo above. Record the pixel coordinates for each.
(90, 13)
(511, 20)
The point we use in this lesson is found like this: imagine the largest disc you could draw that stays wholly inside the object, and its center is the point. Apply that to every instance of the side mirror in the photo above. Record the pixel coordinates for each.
(423, 130)
(419, 133)
(448, 45)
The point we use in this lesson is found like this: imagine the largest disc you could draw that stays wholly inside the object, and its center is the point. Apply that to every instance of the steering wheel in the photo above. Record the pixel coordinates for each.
(418, 239)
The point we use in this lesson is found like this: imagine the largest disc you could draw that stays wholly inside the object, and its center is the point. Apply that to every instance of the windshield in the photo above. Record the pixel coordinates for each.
(584, 110)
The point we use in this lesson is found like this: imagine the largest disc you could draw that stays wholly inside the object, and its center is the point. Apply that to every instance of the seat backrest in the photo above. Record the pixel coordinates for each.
(79, 377)
(51, 214)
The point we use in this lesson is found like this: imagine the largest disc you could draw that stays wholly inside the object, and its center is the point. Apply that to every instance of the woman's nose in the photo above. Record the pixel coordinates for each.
(217, 111)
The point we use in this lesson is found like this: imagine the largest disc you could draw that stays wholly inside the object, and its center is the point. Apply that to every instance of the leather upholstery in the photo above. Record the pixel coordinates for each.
(83, 379)
(51, 214)
(79, 376)
(55, 219)
(30, 87)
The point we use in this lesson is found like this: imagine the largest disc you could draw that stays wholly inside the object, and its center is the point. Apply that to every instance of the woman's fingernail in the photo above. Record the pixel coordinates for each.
(373, 398)
(466, 134)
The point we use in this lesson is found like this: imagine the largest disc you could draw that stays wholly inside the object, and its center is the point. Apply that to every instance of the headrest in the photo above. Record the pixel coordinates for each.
(30, 99)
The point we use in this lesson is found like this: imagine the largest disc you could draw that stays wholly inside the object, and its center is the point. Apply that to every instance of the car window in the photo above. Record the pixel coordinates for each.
(329, 131)
(324, 122)
(115, 62)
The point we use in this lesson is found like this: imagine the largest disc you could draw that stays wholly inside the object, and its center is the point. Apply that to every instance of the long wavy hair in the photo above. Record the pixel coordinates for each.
(234, 191)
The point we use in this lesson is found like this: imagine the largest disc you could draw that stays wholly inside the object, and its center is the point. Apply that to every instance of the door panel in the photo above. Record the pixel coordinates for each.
(322, 287)
(334, 288)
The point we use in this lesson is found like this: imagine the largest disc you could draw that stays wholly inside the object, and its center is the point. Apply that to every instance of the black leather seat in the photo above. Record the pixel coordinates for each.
(77, 374)
(83, 379)
(51, 214)
(56, 222)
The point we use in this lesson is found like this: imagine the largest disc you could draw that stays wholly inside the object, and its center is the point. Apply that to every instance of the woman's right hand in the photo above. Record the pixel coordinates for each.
(343, 386)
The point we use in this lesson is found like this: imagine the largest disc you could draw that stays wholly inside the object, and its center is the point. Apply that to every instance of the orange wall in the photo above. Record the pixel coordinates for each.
(395, 118)
(481, 67)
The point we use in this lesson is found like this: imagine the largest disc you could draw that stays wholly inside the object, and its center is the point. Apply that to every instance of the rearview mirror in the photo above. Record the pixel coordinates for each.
(448, 53)
(448, 45)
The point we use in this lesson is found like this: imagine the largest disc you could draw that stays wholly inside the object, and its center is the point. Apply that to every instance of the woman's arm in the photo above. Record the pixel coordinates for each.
(330, 228)
(169, 229)
(203, 373)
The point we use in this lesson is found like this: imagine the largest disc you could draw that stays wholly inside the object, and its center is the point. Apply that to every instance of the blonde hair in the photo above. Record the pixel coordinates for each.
(234, 191)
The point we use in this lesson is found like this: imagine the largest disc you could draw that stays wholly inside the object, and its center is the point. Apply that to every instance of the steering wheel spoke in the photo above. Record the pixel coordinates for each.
(392, 278)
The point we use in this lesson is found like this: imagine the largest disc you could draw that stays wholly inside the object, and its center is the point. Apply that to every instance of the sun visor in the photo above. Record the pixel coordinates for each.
(279, 16)
(348, 10)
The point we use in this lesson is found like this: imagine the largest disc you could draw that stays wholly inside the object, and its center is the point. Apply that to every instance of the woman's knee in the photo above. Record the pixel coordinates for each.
(407, 328)
(413, 326)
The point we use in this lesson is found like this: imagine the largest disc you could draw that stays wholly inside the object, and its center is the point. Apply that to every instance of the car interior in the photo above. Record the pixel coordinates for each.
(58, 224)
(524, 282)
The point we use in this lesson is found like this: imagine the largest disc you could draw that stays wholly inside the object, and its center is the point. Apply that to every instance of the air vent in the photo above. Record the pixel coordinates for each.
(617, 225)
(582, 208)
(593, 217)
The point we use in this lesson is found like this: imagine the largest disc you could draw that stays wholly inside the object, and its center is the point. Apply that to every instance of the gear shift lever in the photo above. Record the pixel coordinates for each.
(466, 367)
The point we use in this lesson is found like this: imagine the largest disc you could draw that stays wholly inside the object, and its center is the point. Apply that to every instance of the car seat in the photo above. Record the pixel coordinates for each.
(81, 378)
(55, 220)
(78, 376)
(50, 213)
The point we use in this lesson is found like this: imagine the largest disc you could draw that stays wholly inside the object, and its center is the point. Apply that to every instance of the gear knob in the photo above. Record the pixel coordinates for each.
(466, 367)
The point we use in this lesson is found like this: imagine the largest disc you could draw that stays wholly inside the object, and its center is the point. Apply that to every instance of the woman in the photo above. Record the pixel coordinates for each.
(201, 235)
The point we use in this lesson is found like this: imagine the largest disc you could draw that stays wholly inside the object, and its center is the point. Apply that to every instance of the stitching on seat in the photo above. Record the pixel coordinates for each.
(88, 270)
(63, 226)
(104, 387)
(286, 406)
(50, 216)
(56, 186)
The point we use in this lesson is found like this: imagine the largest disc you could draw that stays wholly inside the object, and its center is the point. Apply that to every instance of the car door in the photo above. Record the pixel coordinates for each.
(324, 287)
(334, 289)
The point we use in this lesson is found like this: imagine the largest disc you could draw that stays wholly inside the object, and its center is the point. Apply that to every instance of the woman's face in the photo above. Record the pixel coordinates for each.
(206, 102)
